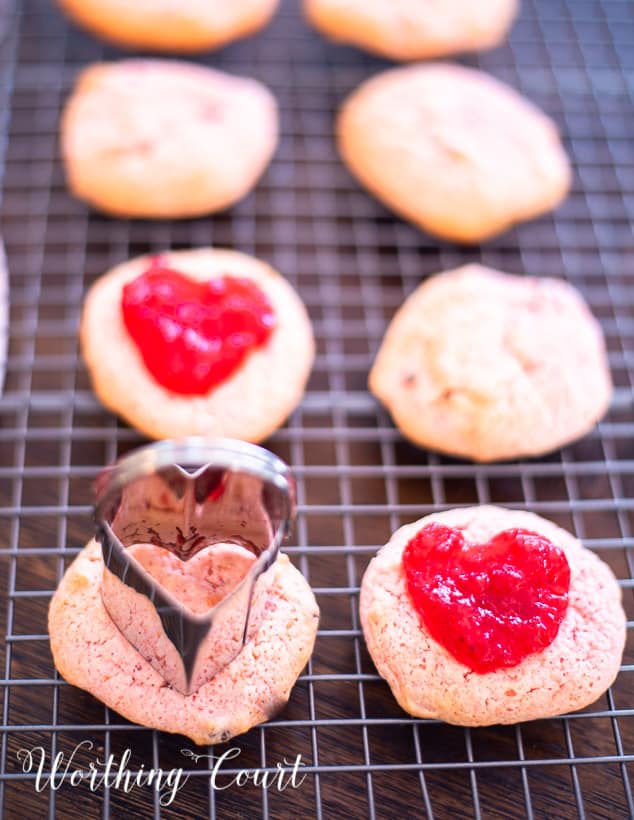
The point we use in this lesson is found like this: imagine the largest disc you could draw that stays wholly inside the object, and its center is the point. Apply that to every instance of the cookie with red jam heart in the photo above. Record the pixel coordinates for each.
(202, 342)
(484, 615)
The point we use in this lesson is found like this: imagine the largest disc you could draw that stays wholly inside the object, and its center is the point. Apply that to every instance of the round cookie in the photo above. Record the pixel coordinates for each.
(186, 26)
(253, 402)
(453, 150)
(90, 652)
(486, 365)
(411, 30)
(161, 139)
(427, 681)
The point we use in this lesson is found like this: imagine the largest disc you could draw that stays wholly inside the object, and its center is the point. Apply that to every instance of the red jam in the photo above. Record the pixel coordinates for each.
(194, 335)
(490, 605)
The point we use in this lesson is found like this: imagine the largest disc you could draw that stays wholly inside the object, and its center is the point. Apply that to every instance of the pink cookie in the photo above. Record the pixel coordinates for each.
(164, 25)
(165, 139)
(453, 150)
(411, 30)
(485, 365)
(90, 652)
(427, 681)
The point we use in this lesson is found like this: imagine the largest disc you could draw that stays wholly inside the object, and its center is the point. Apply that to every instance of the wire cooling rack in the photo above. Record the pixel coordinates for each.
(357, 479)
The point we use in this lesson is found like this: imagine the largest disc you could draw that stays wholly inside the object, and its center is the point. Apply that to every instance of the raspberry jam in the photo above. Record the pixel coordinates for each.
(490, 605)
(194, 335)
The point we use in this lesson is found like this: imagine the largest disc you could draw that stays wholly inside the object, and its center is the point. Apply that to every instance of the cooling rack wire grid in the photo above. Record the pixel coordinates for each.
(357, 480)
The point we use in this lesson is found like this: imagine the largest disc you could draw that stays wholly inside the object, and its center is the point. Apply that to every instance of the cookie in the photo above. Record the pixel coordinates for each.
(485, 365)
(426, 679)
(411, 30)
(90, 652)
(252, 402)
(453, 150)
(160, 139)
(161, 25)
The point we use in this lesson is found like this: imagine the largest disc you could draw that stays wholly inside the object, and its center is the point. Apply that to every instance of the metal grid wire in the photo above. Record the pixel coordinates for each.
(357, 479)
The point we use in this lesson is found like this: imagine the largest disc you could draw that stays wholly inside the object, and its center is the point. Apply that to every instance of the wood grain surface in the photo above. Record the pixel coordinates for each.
(353, 263)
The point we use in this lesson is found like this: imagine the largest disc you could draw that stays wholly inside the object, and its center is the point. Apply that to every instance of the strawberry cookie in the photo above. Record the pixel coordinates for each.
(163, 139)
(203, 342)
(485, 365)
(186, 26)
(90, 652)
(483, 615)
(411, 30)
(453, 150)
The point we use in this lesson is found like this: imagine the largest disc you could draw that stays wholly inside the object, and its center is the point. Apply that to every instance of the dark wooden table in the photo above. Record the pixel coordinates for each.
(357, 480)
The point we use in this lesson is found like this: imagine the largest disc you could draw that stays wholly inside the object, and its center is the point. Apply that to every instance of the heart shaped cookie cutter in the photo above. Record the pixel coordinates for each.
(232, 499)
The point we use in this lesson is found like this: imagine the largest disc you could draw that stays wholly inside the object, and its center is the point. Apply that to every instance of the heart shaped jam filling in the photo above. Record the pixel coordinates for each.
(490, 605)
(194, 335)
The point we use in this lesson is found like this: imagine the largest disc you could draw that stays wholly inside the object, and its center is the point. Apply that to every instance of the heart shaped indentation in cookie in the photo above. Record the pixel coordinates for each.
(193, 335)
(201, 583)
(490, 605)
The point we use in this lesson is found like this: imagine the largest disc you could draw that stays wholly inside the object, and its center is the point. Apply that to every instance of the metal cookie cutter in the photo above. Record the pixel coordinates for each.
(186, 496)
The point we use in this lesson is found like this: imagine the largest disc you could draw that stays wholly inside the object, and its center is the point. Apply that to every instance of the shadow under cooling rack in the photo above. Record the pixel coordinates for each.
(357, 480)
